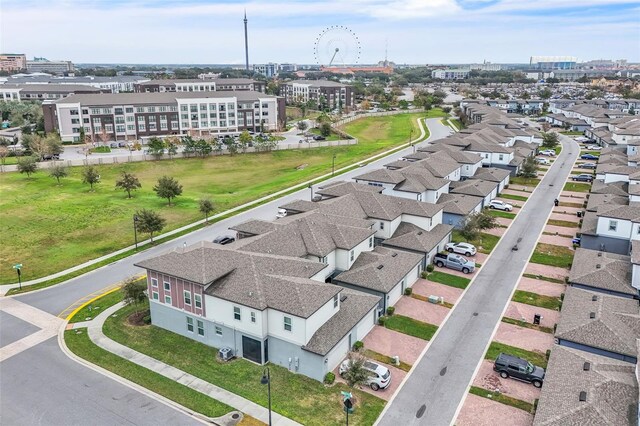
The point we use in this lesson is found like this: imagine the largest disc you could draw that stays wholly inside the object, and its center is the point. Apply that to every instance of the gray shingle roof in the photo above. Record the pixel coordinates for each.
(352, 309)
(300, 206)
(341, 188)
(610, 384)
(630, 212)
(635, 252)
(492, 174)
(597, 201)
(617, 188)
(616, 325)
(607, 271)
(380, 269)
(254, 227)
(476, 187)
(367, 205)
(459, 204)
(411, 237)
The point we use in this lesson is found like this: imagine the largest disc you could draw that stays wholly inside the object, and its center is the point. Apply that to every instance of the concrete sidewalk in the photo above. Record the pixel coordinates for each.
(96, 335)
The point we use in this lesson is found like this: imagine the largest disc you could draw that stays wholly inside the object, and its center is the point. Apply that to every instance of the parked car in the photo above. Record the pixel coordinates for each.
(48, 157)
(224, 239)
(462, 248)
(582, 177)
(518, 368)
(380, 377)
(113, 145)
(542, 161)
(594, 147)
(589, 157)
(500, 205)
(588, 166)
(281, 213)
(319, 138)
(547, 152)
(454, 261)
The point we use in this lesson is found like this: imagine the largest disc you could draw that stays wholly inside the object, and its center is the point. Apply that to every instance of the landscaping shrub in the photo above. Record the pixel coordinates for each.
(424, 275)
(408, 291)
(382, 320)
(390, 310)
(358, 345)
(548, 353)
(430, 267)
(147, 319)
(329, 378)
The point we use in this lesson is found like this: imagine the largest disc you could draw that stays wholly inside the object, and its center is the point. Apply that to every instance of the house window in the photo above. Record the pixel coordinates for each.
(200, 327)
(187, 297)
(167, 286)
(613, 225)
(190, 324)
(501, 157)
(167, 299)
(198, 301)
(236, 313)
(155, 295)
(323, 259)
(335, 301)
(370, 242)
(351, 255)
(218, 330)
(154, 282)
(253, 317)
(287, 323)
(381, 226)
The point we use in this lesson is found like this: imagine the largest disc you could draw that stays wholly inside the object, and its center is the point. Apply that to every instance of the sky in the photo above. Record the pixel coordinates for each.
(413, 31)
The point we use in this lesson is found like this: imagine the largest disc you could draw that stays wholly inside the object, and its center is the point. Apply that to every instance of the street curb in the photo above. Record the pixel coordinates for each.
(76, 310)
(258, 202)
(506, 306)
(157, 397)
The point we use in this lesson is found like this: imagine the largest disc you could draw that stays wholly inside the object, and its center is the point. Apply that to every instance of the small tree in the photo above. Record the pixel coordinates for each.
(529, 168)
(189, 145)
(550, 140)
(149, 222)
(156, 146)
(27, 165)
(245, 139)
(206, 207)
(302, 125)
(172, 146)
(469, 229)
(128, 182)
(4, 153)
(203, 148)
(58, 171)
(485, 221)
(356, 375)
(168, 188)
(325, 129)
(90, 175)
(133, 292)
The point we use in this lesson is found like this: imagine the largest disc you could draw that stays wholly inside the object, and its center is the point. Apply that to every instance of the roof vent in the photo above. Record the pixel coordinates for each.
(380, 266)
(250, 293)
(394, 254)
(594, 298)
(419, 232)
(598, 266)
(592, 315)
(599, 254)
(583, 396)
(343, 298)
(586, 366)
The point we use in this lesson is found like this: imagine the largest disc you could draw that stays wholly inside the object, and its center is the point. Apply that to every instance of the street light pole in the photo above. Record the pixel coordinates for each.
(266, 380)
(135, 229)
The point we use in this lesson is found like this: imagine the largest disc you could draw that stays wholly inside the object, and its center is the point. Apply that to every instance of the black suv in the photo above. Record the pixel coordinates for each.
(518, 368)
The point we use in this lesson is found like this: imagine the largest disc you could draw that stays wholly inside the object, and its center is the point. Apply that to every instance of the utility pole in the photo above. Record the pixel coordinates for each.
(246, 42)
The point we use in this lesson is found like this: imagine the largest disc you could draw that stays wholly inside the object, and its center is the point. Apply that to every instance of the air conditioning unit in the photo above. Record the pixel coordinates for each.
(225, 354)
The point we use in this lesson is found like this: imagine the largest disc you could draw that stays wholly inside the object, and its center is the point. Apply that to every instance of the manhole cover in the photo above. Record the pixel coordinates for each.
(421, 411)
(235, 416)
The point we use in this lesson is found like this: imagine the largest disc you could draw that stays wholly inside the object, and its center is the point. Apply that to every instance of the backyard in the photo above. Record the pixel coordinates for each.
(49, 227)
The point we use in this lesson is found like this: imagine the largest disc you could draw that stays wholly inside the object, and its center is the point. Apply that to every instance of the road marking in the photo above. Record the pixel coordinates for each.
(82, 302)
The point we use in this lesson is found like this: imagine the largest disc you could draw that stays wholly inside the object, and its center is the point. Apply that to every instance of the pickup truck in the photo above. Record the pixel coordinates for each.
(454, 261)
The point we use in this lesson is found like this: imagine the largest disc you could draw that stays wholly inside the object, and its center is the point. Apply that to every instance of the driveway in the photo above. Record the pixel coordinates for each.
(393, 343)
(491, 380)
(429, 288)
(547, 271)
(542, 287)
(420, 310)
(524, 312)
(397, 376)
(524, 338)
(479, 411)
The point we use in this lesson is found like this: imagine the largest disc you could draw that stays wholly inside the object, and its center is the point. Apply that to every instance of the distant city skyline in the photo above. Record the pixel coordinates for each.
(417, 31)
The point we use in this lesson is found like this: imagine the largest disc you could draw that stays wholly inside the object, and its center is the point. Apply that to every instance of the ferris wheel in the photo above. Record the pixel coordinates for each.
(337, 45)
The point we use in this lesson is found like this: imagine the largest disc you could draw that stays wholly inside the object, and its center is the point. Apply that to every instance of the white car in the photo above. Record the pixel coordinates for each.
(594, 148)
(500, 205)
(281, 213)
(462, 248)
(542, 161)
(548, 153)
(380, 377)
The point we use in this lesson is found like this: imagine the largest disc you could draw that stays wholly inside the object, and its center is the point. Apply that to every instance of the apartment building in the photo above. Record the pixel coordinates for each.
(450, 74)
(131, 116)
(13, 62)
(327, 94)
(117, 84)
(42, 92)
(200, 85)
(53, 67)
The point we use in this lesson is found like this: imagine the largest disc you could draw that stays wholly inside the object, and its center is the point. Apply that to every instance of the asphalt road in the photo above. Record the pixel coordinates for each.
(42, 386)
(433, 391)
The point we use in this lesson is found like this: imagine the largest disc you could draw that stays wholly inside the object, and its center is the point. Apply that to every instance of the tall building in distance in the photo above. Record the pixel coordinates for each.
(553, 62)
(13, 61)
(246, 43)
(52, 67)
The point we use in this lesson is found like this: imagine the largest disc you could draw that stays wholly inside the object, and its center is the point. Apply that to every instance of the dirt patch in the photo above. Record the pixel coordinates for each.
(138, 318)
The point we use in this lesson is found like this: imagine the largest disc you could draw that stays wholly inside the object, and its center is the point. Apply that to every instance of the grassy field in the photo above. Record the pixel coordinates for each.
(95, 308)
(565, 223)
(523, 181)
(577, 187)
(49, 227)
(535, 358)
(502, 398)
(552, 255)
(448, 279)
(500, 213)
(394, 129)
(514, 197)
(484, 243)
(313, 404)
(542, 278)
(386, 359)
(410, 326)
(332, 137)
(538, 300)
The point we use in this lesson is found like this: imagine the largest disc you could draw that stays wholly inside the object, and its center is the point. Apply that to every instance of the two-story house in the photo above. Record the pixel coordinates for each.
(413, 182)
(614, 229)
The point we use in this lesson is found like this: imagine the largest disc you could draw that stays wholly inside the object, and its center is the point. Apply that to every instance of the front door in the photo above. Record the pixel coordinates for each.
(251, 349)
(266, 350)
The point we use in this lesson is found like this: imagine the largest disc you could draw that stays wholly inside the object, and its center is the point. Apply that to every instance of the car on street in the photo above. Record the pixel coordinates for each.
(547, 152)
(224, 239)
(519, 369)
(582, 177)
(588, 165)
(500, 205)
(380, 376)
(281, 213)
(319, 138)
(461, 248)
(594, 148)
(542, 161)
(589, 157)
(454, 261)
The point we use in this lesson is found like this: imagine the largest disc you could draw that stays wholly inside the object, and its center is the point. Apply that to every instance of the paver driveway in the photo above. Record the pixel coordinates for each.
(547, 271)
(541, 287)
(531, 340)
(518, 311)
(479, 411)
(429, 288)
(392, 343)
(491, 380)
(420, 310)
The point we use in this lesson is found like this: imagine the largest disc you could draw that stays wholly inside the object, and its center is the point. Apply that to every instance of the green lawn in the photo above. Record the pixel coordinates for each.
(523, 181)
(79, 343)
(552, 255)
(566, 204)
(536, 358)
(447, 279)
(49, 227)
(572, 133)
(10, 160)
(415, 328)
(96, 307)
(543, 278)
(525, 324)
(535, 299)
(300, 398)
(502, 398)
(500, 213)
(565, 223)
(514, 197)
(386, 359)
(332, 137)
(484, 243)
(577, 187)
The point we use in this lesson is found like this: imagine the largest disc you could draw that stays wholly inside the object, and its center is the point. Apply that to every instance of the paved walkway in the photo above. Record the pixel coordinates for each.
(239, 403)
(432, 393)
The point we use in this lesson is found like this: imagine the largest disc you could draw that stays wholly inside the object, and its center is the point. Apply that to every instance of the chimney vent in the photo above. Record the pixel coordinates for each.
(598, 266)
(583, 396)
(594, 298)
(380, 266)
(586, 366)
(592, 315)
